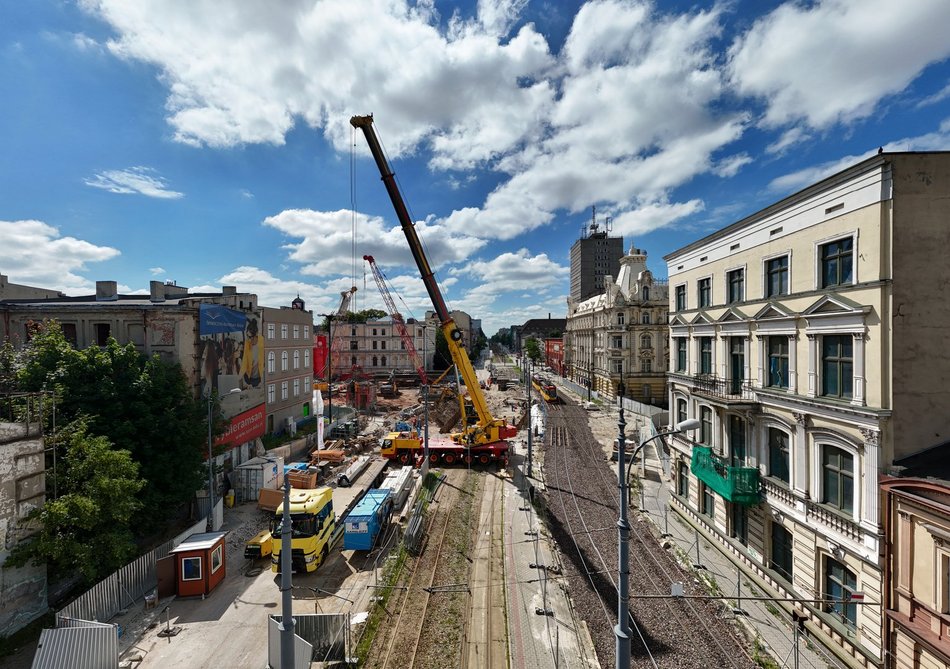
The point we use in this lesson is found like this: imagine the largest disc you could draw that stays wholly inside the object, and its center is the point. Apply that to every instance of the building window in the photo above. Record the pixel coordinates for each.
(617, 366)
(681, 410)
(681, 344)
(191, 568)
(374, 332)
(645, 318)
(776, 277)
(353, 361)
(707, 501)
(781, 552)
(617, 342)
(736, 281)
(271, 362)
(306, 358)
(837, 263)
(646, 293)
(306, 382)
(737, 441)
(296, 332)
(306, 332)
(354, 345)
(705, 292)
(283, 361)
(69, 333)
(283, 331)
(383, 361)
(353, 331)
(383, 346)
(778, 454)
(296, 359)
(705, 426)
(682, 480)
(778, 362)
(283, 390)
(270, 330)
(216, 561)
(296, 387)
(375, 343)
(646, 365)
(837, 478)
(840, 584)
(271, 393)
(646, 341)
(837, 376)
(620, 318)
(103, 331)
(739, 523)
(681, 298)
(705, 355)
(383, 331)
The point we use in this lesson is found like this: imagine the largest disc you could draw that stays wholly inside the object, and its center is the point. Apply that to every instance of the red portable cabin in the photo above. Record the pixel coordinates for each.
(199, 564)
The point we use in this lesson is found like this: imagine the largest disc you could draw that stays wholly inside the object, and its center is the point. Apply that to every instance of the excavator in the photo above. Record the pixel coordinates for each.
(484, 439)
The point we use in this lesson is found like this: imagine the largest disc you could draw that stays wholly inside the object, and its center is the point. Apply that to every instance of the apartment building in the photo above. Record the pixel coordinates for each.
(377, 347)
(915, 520)
(805, 340)
(288, 347)
(621, 334)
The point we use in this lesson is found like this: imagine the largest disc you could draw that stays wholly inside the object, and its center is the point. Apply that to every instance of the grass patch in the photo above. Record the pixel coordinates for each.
(392, 572)
(761, 656)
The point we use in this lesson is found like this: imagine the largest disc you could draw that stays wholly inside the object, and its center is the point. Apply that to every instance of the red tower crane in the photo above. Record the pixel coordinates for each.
(397, 318)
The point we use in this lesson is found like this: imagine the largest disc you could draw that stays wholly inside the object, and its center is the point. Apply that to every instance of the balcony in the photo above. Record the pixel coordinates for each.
(731, 391)
(739, 485)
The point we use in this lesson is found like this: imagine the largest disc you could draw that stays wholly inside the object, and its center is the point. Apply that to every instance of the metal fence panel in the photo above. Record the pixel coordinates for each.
(303, 651)
(85, 647)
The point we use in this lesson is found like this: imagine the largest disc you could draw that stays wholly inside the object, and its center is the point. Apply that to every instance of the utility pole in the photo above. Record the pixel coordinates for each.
(425, 408)
(530, 421)
(286, 585)
(622, 630)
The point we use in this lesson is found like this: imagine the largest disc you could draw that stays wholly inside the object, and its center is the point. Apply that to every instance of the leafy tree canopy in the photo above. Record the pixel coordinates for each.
(139, 404)
(533, 349)
(87, 529)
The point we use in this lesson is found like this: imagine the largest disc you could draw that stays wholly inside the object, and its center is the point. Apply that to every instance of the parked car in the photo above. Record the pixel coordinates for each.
(590, 406)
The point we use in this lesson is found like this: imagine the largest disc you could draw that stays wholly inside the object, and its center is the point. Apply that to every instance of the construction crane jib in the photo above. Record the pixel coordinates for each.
(487, 429)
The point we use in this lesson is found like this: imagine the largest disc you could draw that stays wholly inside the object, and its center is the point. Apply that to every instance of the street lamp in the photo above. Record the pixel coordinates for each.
(211, 459)
(622, 630)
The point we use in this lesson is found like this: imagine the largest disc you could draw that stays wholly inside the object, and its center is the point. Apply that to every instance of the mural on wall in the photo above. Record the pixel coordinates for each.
(231, 349)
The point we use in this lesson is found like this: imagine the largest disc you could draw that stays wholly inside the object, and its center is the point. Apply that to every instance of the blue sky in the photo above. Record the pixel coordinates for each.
(208, 143)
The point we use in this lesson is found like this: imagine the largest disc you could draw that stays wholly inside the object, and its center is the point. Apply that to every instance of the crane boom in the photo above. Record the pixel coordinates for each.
(488, 429)
(397, 319)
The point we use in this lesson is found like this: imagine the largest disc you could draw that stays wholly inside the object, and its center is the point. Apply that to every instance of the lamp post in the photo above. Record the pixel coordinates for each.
(211, 459)
(622, 630)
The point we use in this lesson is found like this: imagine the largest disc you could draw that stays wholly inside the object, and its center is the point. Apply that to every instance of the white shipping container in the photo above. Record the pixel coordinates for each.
(257, 473)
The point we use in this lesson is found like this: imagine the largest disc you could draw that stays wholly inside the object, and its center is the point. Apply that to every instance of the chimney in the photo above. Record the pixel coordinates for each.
(549, 315)
(229, 290)
(107, 291)
(156, 291)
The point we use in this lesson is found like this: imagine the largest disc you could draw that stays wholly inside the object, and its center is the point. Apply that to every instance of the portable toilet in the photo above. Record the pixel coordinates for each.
(199, 564)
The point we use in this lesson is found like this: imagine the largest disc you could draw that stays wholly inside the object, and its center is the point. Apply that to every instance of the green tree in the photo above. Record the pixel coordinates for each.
(442, 358)
(533, 349)
(87, 529)
(140, 404)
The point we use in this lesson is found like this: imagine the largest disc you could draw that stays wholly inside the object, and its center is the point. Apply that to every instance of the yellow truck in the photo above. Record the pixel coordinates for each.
(313, 523)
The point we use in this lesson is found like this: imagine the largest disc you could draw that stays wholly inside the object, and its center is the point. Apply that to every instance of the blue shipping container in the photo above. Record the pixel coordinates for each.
(367, 519)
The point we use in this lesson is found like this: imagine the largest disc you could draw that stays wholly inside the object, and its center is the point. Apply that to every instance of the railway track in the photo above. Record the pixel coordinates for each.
(486, 632)
(583, 508)
(420, 633)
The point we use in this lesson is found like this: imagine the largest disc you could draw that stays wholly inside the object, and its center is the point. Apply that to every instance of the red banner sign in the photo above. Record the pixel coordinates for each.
(244, 427)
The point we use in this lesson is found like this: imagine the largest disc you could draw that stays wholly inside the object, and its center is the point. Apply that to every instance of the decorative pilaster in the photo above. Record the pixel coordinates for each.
(793, 364)
(762, 364)
(799, 455)
(869, 491)
(812, 365)
(858, 390)
(746, 359)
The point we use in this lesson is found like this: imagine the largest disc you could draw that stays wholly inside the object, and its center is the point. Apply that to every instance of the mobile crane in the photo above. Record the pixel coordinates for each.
(484, 440)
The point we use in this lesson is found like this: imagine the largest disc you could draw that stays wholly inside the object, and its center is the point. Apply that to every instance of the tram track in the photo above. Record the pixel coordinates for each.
(582, 492)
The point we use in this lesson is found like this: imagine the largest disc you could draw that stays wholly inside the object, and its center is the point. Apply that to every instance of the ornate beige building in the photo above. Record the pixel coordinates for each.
(621, 334)
(805, 339)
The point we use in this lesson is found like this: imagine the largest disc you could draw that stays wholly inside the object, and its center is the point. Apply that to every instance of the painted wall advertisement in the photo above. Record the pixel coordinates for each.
(231, 349)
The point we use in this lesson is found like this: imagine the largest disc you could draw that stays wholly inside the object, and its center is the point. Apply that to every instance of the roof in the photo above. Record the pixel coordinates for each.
(197, 542)
(371, 501)
(544, 326)
(933, 463)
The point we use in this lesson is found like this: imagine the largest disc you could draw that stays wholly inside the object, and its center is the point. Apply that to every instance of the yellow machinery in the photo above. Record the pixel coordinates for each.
(313, 523)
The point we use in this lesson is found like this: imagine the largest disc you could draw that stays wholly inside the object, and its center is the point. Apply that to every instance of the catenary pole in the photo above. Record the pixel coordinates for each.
(286, 585)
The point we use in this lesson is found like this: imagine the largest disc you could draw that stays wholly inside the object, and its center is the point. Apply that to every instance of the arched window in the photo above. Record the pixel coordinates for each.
(620, 318)
(271, 362)
(646, 293)
(384, 361)
(283, 361)
(306, 358)
(296, 359)
(375, 361)
(646, 341)
(353, 361)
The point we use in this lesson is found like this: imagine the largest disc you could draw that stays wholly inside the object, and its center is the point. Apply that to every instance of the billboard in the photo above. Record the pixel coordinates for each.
(231, 349)
(320, 353)
(246, 426)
